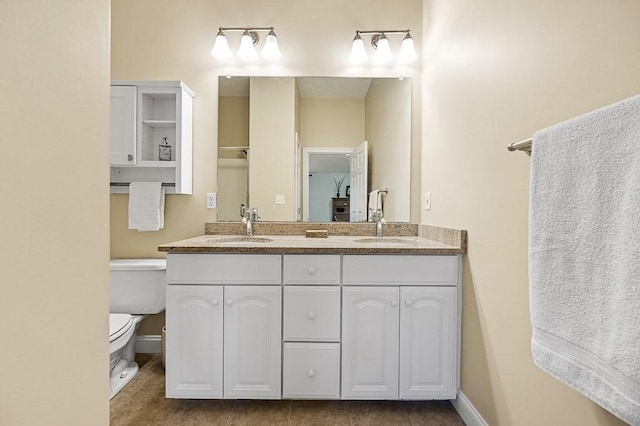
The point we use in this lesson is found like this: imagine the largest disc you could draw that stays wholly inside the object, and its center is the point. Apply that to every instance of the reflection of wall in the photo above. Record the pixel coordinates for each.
(321, 190)
(331, 122)
(388, 126)
(233, 124)
(232, 173)
(272, 142)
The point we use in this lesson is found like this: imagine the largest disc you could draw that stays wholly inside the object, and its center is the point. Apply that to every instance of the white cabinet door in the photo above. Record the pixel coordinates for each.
(123, 125)
(194, 341)
(252, 342)
(370, 318)
(428, 336)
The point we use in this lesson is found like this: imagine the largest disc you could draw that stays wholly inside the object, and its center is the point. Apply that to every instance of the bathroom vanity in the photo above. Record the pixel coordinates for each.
(280, 316)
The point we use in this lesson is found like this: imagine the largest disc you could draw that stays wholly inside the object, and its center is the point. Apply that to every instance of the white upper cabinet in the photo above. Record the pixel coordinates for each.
(123, 125)
(161, 120)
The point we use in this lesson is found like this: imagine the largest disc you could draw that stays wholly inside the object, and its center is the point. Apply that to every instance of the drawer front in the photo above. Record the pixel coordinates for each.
(311, 370)
(400, 270)
(312, 269)
(197, 268)
(312, 313)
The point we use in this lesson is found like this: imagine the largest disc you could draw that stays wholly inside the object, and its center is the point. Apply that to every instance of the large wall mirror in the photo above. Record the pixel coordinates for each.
(294, 147)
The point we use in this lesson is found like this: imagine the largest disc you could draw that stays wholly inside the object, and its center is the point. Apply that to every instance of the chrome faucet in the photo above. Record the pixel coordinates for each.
(379, 218)
(250, 215)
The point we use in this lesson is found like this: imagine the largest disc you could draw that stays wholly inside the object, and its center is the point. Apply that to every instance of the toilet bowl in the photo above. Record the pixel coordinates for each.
(137, 288)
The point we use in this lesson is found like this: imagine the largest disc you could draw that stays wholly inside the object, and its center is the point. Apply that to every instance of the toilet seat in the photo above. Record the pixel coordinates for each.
(119, 324)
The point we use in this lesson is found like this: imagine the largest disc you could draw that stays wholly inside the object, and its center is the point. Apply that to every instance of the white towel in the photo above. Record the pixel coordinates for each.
(584, 255)
(146, 206)
(374, 203)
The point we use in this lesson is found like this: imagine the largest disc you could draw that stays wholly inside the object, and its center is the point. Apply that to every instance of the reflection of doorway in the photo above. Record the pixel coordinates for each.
(319, 167)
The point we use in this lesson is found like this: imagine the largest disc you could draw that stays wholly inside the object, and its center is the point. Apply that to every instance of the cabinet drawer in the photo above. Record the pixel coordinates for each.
(196, 268)
(399, 270)
(311, 370)
(312, 269)
(312, 313)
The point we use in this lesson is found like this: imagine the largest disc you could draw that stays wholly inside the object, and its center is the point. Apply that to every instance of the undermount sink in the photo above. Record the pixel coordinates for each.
(385, 240)
(238, 239)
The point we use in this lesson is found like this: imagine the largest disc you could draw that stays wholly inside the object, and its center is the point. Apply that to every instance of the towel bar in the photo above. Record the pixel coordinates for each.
(128, 183)
(521, 146)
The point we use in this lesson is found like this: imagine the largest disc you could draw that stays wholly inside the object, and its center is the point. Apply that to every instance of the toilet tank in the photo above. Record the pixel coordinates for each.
(137, 286)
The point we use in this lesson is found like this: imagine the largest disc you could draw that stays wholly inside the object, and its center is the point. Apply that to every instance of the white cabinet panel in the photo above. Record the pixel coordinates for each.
(252, 342)
(428, 338)
(312, 313)
(123, 125)
(399, 270)
(203, 268)
(370, 318)
(312, 269)
(311, 370)
(194, 342)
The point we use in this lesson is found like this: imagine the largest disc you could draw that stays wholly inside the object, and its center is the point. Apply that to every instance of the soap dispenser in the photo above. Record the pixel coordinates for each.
(164, 153)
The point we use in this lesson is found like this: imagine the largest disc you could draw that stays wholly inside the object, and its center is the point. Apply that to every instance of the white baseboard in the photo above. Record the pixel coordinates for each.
(149, 344)
(467, 411)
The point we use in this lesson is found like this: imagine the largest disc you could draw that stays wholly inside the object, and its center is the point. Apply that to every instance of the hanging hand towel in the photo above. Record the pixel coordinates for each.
(374, 198)
(584, 255)
(146, 206)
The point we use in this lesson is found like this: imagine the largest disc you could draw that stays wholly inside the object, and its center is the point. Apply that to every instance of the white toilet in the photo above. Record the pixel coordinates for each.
(137, 288)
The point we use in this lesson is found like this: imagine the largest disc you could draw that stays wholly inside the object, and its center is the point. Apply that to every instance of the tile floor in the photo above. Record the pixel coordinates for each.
(142, 402)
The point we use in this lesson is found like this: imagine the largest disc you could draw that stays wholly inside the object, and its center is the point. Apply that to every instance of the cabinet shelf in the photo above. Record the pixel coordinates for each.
(157, 164)
(160, 123)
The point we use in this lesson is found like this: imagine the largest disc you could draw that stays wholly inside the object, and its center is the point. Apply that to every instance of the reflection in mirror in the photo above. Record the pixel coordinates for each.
(287, 146)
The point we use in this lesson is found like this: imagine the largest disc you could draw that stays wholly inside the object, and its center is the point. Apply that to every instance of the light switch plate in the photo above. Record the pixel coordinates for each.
(427, 201)
(279, 199)
(212, 200)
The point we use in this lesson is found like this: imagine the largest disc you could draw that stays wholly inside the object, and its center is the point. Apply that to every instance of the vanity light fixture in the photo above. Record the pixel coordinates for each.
(248, 41)
(380, 43)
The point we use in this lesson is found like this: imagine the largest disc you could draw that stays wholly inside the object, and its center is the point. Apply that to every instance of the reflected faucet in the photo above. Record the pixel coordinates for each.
(250, 215)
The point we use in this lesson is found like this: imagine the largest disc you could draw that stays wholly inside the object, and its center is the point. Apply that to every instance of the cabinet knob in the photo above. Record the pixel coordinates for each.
(214, 302)
(311, 315)
(311, 372)
(408, 302)
(229, 302)
(311, 270)
(129, 157)
(394, 303)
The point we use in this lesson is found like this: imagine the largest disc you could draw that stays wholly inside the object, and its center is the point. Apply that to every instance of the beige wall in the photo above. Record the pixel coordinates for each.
(388, 131)
(233, 124)
(330, 122)
(272, 115)
(494, 72)
(54, 81)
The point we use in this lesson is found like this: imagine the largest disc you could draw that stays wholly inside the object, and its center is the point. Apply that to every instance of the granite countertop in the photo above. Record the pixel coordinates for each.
(297, 244)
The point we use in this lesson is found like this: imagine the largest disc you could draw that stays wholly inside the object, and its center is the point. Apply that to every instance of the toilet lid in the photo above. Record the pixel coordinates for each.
(118, 325)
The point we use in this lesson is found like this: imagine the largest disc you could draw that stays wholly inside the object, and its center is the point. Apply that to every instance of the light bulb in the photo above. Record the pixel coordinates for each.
(247, 51)
(358, 53)
(271, 51)
(407, 50)
(383, 52)
(221, 47)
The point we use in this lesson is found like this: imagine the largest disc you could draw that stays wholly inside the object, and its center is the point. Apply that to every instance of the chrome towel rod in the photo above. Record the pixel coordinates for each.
(524, 145)
(128, 183)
